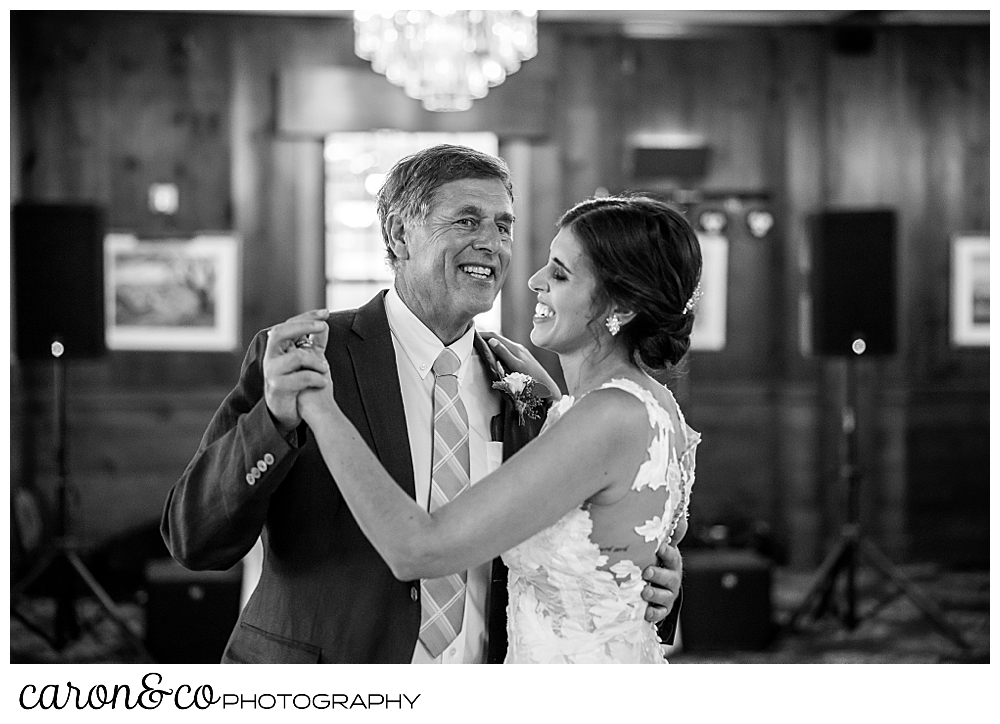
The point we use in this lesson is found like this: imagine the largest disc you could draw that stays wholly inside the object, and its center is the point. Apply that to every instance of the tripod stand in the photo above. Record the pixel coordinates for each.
(852, 546)
(62, 557)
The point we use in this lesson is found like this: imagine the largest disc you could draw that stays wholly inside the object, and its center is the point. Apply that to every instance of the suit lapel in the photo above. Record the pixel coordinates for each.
(374, 360)
(506, 427)
(494, 372)
(491, 364)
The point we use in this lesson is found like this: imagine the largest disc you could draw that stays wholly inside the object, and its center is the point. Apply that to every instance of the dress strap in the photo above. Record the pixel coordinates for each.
(657, 415)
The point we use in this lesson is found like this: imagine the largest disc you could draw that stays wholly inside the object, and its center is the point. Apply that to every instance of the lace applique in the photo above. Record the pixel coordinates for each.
(662, 468)
(564, 605)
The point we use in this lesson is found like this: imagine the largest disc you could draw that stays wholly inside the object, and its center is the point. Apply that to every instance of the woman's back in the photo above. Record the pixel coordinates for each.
(575, 587)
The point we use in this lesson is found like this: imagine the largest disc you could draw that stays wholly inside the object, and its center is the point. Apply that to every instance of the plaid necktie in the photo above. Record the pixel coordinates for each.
(442, 600)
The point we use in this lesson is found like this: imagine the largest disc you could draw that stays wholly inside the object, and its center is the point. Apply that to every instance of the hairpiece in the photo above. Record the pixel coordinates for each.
(614, 324)
(690, 305)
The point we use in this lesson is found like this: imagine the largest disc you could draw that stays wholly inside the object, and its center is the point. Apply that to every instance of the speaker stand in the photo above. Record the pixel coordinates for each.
(61, 557)
(852, 546)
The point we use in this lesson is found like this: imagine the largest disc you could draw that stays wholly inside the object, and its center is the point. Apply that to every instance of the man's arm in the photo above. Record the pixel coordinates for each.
(214, 514)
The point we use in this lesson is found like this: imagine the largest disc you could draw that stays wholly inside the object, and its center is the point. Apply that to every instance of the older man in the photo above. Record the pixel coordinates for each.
(324, 594)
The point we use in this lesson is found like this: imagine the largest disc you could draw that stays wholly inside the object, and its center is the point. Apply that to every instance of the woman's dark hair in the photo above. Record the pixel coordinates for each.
(646, 258)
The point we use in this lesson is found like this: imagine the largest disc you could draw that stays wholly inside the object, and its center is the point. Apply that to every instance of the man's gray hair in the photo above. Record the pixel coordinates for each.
(411, 183)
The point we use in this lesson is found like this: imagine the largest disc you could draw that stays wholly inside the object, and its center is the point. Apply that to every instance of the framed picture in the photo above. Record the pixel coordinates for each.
(172, 294)
(709, 332)
(970, 290)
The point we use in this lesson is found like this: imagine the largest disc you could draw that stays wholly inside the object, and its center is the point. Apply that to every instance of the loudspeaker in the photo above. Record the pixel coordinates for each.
(190, 614)
(681, 164)
(853, 282)
(727, 601)
(854, 40)
(58, 280)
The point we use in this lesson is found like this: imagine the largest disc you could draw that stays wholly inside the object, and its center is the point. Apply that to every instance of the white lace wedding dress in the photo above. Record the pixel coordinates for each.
(566, 604)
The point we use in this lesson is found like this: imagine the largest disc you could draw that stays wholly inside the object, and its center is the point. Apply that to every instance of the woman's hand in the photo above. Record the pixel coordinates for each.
(316, 401)
(291, 364)
(517, 358)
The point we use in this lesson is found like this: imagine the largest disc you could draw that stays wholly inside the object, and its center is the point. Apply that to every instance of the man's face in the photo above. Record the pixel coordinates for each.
(452, 265)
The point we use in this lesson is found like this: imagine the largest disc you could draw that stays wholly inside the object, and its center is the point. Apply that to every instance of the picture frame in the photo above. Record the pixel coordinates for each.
(709, 331)
(970, 289)
(172, 294)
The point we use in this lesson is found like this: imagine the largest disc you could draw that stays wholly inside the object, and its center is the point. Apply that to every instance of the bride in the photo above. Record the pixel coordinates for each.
(579, 511)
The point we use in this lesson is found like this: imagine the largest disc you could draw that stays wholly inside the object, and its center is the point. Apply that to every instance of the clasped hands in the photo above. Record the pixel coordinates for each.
(297, 383)
(298, 387)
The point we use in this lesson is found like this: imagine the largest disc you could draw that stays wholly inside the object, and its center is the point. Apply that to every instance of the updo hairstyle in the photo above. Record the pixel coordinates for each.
(647, 259)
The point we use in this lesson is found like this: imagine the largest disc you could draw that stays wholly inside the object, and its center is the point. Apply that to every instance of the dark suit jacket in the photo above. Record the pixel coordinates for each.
(324, 593)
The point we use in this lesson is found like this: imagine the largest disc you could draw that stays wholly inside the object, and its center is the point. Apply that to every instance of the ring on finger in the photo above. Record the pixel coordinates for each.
(305, 342)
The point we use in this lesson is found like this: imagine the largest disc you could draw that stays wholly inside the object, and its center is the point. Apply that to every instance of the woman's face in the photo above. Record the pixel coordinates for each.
(565, 288)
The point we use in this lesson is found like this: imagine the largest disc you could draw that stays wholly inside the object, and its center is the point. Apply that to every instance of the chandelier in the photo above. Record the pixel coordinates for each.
(446, 58)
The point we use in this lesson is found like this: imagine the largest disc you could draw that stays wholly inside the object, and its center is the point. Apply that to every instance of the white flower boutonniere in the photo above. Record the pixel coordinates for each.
(518, 387)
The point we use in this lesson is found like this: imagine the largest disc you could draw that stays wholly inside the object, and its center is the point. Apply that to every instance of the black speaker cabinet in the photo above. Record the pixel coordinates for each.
(58, 280)
(727, 601)
(681, 164)
(190, 614)
(854, 282)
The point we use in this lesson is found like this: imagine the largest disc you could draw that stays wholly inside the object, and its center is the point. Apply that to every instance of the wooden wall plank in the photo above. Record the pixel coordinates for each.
(108, 102)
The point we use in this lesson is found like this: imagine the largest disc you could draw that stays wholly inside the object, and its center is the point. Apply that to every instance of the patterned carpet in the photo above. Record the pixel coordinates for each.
(898, 632)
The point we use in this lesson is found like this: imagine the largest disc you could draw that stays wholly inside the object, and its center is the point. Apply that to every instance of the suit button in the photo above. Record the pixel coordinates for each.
(414, 593)
(251, 479)
(255, 472)
(261, 465)
(269, 458)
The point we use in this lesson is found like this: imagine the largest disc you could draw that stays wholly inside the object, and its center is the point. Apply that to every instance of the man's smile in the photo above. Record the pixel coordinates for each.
(477, 272)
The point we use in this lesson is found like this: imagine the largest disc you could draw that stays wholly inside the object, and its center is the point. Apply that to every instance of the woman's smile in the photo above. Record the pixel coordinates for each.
(543, 312)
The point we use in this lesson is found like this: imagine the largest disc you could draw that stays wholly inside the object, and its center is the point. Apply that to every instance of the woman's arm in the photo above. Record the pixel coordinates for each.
(598, 442)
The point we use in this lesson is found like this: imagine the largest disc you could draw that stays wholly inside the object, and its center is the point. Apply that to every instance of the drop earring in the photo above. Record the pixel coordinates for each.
(614, 326)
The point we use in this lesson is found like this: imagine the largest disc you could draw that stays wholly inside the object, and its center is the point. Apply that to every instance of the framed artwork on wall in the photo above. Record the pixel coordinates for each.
(172, 294)
(709, 332)
(970, 290)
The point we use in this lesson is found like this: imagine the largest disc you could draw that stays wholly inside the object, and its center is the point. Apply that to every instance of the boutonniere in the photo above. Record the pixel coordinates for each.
(518, 386)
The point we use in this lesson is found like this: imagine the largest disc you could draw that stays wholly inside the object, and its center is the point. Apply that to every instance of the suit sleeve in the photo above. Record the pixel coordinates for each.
(667, 628)
(214, 514)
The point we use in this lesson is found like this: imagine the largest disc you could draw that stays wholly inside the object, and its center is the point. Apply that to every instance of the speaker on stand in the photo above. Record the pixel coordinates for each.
(853, 289)
(59, 308)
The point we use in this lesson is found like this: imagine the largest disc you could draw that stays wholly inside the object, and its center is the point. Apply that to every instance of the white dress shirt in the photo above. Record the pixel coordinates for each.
(416, 348)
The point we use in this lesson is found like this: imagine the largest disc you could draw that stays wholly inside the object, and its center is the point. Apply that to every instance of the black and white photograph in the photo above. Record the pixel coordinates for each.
(642, 335)
(970, 290)
(171, 293)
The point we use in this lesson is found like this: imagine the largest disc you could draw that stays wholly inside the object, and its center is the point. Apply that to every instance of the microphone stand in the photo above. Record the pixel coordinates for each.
(62, 556)
(852, 546)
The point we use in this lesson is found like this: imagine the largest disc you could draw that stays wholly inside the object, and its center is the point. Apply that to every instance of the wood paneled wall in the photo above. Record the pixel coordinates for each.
(105, 103)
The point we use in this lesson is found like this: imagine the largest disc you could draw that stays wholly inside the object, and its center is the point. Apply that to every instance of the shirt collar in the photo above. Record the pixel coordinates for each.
(420, 345)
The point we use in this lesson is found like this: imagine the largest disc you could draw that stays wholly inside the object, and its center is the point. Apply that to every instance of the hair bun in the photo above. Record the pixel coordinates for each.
(646, 258)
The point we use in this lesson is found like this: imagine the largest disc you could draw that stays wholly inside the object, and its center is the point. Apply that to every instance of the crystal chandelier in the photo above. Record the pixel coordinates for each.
(446, 58)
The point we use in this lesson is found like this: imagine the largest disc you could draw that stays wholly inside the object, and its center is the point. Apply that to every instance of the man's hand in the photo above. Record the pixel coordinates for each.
(664, 583)
(293, 361)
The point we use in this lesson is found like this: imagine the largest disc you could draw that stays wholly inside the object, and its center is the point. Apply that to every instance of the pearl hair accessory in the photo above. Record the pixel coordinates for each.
(614, 324)
(690, 305)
